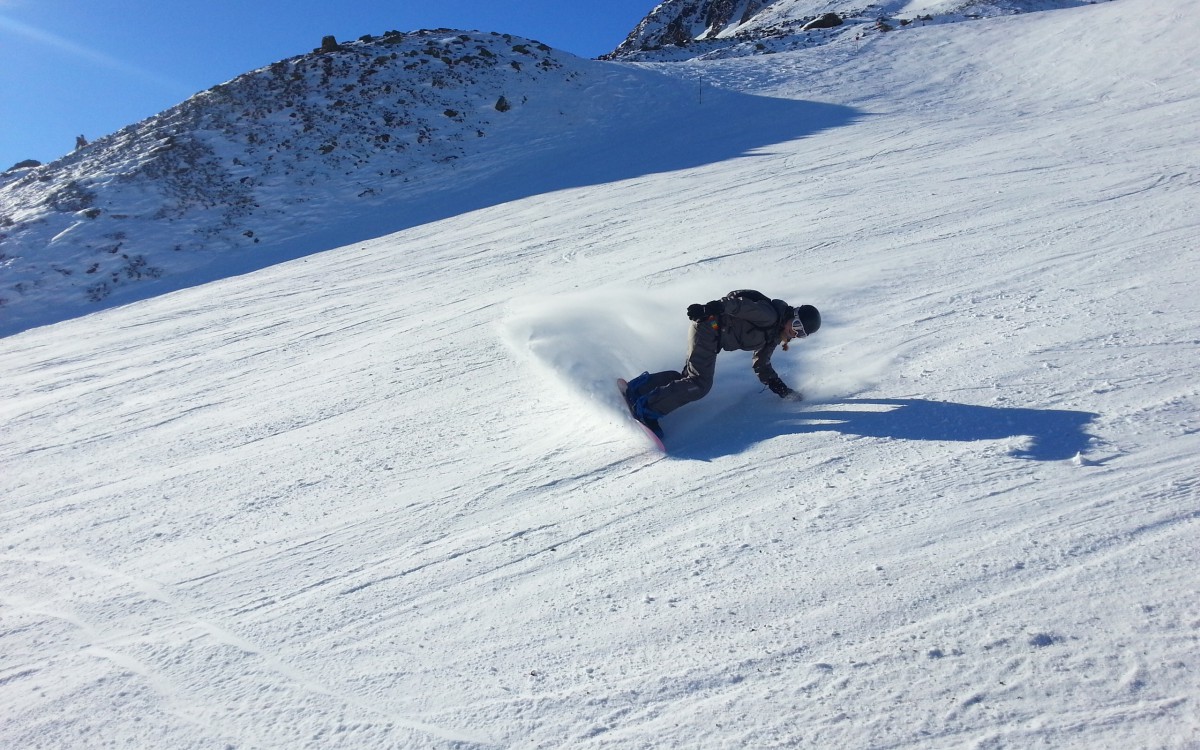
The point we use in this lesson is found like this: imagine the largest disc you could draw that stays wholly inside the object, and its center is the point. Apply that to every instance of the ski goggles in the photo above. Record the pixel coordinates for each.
(798, 328)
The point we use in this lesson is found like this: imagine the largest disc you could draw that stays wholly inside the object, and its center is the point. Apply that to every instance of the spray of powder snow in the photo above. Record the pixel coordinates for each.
(582, 342)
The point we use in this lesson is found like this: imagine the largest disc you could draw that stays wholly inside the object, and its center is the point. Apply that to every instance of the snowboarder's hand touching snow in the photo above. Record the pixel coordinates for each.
(779, 388)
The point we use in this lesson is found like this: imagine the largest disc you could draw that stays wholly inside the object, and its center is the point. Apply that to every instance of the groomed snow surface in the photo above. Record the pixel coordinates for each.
(385, 496)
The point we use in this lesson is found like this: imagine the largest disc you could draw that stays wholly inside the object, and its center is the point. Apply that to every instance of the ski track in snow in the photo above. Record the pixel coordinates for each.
(386, 496)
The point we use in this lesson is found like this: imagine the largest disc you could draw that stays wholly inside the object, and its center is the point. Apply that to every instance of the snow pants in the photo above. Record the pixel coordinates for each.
(668, 390)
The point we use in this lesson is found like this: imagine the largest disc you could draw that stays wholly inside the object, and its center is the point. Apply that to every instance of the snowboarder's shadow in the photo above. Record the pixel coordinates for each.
(1053, 434)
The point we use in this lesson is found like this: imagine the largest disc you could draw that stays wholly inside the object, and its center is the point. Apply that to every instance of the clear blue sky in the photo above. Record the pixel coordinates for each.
(91, 67)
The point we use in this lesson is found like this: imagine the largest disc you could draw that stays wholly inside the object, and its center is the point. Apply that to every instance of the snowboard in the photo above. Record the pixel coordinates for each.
(655, 440)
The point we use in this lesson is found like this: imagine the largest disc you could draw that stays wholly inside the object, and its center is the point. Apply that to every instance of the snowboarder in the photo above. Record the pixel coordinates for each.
(743, 320)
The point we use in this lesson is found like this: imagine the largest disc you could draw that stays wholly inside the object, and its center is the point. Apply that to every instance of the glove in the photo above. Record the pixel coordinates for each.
(714, 308)
(780, 389)
(695, 312)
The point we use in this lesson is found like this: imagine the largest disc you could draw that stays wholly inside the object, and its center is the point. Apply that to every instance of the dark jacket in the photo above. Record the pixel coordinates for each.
(754, 327)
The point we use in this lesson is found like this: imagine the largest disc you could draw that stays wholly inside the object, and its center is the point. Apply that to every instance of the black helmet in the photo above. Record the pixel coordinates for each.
(806, 320)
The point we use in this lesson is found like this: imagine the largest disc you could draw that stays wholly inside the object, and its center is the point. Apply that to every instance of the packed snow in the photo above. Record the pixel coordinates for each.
(386, 496)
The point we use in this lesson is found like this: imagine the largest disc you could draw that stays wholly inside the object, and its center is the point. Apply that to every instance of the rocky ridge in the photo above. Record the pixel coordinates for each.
(713, 29)
(270, 155)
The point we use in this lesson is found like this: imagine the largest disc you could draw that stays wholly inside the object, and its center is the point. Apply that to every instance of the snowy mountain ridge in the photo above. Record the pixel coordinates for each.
(713, 29)
(252, 171)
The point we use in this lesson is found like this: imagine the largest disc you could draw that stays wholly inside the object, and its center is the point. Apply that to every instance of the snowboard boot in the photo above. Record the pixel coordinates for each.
(634, 387)
(646, 416)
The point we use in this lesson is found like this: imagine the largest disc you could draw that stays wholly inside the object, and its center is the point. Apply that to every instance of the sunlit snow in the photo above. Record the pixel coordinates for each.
(383, 496)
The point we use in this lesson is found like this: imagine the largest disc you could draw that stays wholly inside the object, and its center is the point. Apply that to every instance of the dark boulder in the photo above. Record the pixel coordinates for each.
(827, 21)
(27, 164)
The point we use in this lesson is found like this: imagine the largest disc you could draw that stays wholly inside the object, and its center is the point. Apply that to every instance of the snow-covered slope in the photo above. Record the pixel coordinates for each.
(713, 29)
(384, 496)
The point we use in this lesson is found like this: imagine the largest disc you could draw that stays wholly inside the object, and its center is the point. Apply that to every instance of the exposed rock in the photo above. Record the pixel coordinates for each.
(827, 21)
(27, 164)
(683, 22)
